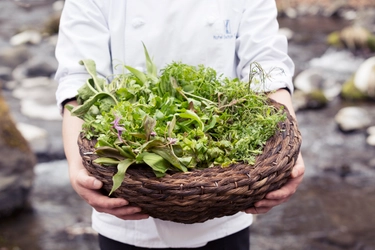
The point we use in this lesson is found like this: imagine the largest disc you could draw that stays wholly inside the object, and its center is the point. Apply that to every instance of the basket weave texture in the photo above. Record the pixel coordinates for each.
(201, 195)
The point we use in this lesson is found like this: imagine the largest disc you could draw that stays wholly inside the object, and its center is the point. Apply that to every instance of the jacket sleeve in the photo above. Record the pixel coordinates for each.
(83, 34)
(258, 40)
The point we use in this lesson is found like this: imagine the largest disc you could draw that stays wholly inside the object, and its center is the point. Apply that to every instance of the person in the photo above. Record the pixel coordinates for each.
(226, 35)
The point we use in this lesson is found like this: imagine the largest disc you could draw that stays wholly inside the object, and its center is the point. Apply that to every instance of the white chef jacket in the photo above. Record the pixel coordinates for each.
(226, 35)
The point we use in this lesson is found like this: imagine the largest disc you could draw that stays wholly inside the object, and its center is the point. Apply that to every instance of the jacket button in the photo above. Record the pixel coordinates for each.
(211, 20)
(137, 22)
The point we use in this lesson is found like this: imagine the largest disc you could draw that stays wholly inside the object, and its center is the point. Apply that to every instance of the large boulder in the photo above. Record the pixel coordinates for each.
(17, 163)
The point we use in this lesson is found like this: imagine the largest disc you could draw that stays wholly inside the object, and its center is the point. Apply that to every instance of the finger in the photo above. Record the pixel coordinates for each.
(101, 202)
(134, 217)
(87, 181)
(287, 190)
(125, 212)
(269, 203)
(259, 210)
(299, 168)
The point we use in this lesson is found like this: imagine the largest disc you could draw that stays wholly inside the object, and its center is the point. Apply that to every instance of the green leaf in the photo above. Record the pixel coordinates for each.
(90, 66)
(101, 142)
(167, 154)
(106, 161)
(192, 115)
(140, 75)
(106, 151)
(212, 123)
(171, 126)
(155, 161)
(69, 107)
(151, 67)
(119, 177)
(126, 151)
(151, 144)
(85, 107)
(149, 124)
(185, 161)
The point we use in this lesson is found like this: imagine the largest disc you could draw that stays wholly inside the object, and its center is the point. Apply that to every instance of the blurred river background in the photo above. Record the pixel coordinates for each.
(332, 44)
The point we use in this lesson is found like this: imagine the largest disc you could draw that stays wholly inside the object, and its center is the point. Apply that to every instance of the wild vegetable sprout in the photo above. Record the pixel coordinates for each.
(181, 118)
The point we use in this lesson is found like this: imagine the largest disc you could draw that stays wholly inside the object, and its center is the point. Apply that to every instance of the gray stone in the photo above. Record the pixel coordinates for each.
(371, 140)
(37, 98)
(36, 137)
(339, 64)
(371, 130)
(315, 79)
(364, 79)
(26, 37)
(36, 110)
(36, 66)
(5, 74)
(13, 56)
(352, 118)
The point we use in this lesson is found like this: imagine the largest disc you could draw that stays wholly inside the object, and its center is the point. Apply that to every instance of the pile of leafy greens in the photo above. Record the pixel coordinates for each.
(181, 118)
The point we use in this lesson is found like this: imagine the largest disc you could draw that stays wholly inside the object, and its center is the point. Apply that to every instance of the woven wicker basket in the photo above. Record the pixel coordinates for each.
(201, 195)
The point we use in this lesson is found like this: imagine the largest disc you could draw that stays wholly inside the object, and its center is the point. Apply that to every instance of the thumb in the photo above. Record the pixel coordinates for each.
(87, 181)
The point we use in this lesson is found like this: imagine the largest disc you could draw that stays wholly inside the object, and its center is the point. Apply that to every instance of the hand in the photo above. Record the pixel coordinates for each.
(88, 188)
(283, 194)
(85, 185)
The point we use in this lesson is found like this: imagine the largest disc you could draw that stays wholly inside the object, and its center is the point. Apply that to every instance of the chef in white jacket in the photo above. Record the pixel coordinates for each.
(226, 35)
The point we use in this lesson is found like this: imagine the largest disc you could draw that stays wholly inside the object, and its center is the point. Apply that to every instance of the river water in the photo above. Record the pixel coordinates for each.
(333, 208)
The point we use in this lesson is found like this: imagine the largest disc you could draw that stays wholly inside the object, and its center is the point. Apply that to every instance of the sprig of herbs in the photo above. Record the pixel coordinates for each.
(187, 117)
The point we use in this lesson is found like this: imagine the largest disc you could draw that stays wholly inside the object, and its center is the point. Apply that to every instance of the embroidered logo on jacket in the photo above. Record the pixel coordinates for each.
(227, 34)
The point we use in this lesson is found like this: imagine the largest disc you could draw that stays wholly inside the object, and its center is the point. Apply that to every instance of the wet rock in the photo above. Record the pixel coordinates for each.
(371, 136)
(350, 92)
(352, 118)
(16, 165)
(371, 130)
(37, 98)
(36, 137)
(58, 5)
(364, 79)
(37, 66)
(37, 110)
(13, 56)
(26, 37)
(354, 37)
(5, 74)
(313, 100)
(371, 140)
(339, 64)
(317, 85)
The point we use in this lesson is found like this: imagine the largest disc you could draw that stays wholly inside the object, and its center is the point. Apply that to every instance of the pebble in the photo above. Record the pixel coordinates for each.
(364, 78)
(36, 110)
(371, 136)
(26, 37)
(36, 137)
(371, 140)
(371, 130)
(352, 118)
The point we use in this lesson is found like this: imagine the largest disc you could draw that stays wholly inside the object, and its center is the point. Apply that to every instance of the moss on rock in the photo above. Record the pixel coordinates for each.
(350, 92)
